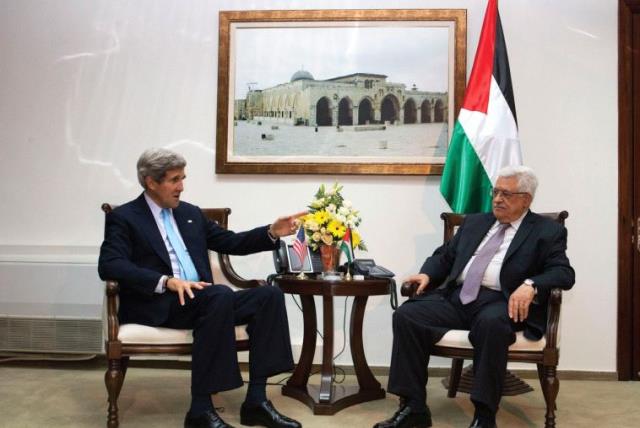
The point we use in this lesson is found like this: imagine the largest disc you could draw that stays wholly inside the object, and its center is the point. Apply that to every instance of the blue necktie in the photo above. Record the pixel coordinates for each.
(187, 269)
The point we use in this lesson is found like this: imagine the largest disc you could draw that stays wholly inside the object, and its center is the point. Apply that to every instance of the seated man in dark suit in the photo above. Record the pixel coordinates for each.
(156, 248)
(492, 278)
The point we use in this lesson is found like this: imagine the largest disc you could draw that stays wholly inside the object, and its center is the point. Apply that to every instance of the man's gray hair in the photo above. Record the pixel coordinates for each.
(527, 180)
(155, 163)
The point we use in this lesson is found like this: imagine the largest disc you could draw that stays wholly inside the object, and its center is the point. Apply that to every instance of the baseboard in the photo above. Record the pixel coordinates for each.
(96, 361)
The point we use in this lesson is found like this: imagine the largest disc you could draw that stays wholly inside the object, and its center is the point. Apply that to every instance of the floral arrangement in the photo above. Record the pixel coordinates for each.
(330, 217)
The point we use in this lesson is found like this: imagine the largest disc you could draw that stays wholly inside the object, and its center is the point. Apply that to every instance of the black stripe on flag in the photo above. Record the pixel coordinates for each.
(501, 68)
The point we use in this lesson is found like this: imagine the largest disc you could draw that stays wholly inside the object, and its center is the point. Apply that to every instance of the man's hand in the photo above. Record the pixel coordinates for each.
(285, 226)
(181, 287)
(519, 302)
(421, 279)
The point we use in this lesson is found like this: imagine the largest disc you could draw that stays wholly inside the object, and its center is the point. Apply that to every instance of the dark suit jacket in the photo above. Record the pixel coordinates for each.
(134, 254)
(537, 252)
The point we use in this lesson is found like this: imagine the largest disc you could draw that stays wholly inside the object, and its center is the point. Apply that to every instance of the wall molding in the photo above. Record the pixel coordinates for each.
(50, 254)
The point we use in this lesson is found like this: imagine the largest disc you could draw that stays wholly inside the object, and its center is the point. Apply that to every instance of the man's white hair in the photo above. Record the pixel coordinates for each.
(527, 180)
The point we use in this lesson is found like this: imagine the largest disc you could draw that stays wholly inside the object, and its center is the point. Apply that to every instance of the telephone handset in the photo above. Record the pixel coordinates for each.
(286, 260)
(368, 267)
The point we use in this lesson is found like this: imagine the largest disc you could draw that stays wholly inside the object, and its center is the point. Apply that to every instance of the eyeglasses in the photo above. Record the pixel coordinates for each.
(505, 193)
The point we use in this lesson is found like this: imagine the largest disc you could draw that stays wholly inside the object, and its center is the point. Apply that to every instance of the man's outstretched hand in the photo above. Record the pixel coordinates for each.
(285, 226)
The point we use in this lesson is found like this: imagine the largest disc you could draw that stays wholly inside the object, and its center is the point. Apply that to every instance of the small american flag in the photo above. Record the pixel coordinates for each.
(300, 246)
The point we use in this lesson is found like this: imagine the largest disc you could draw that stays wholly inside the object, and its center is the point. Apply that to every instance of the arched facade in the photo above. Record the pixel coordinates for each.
(356, 99)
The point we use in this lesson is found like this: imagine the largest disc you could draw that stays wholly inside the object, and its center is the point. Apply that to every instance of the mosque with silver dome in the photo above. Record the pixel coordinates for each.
(354, 99)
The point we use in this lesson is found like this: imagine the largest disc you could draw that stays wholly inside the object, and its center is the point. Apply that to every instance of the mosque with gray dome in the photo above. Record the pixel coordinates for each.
(354, 99)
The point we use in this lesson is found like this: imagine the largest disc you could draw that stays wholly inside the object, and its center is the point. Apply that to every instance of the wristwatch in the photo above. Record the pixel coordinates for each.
(532, 284)
(273, 237)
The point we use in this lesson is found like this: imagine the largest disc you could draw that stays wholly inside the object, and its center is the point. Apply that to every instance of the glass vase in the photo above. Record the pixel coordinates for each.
(330, 256)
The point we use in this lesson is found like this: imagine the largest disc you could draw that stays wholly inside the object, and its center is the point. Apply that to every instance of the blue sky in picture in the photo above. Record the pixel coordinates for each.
(266, 55)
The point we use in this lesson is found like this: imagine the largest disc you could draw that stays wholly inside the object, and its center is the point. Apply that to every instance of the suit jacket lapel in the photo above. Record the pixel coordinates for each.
(521, 235)
(186, 226)
(150, 229)
(467, 251)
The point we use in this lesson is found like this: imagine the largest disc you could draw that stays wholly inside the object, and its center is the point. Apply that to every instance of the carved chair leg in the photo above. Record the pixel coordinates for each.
(454, 376)
(543, 383)
(113, 379)
(552, 385)
(124, 362)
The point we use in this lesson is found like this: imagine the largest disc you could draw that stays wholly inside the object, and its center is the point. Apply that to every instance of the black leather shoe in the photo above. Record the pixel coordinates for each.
(479, 422)
(403, 418)
(208, 419)
(266, 415)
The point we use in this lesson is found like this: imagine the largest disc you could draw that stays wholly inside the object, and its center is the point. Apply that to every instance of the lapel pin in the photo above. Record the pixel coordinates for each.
(189, 221)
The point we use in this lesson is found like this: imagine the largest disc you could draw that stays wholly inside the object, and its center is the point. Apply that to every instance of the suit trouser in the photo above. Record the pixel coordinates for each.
(421, 322)
(213, 315)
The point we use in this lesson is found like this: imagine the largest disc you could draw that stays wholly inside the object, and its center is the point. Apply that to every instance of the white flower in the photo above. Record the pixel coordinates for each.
(343, 210)
(317, 203)
(311, 225)
(346, 203)
(341, 218)
(331, 208)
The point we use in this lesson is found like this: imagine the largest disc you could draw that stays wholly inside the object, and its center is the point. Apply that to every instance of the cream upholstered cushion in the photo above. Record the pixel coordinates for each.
(145, 335)
(460, 339)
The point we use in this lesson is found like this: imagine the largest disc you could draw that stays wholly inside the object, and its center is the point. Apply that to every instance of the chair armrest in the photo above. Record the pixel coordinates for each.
(553, 317)
(233, 277)
(113, 325)
(408, 289)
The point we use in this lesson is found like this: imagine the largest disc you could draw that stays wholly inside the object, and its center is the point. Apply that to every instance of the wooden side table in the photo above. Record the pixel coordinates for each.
(327, 398)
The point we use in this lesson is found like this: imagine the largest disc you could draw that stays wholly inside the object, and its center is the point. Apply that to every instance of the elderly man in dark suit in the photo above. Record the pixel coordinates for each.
(156, 247)
(492, 278)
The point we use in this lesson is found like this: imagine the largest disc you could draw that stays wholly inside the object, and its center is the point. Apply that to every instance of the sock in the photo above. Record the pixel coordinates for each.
(484, 412)
(200, 403)
(417, 406)
(257, 391)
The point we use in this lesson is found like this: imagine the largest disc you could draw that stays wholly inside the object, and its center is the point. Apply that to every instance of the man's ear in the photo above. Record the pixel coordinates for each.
(529, 200)
(150, 183)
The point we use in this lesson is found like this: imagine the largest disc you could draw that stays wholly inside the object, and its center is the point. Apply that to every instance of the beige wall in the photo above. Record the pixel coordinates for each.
(85, 86)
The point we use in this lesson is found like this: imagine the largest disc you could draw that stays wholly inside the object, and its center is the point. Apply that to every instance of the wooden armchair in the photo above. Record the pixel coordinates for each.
(127, 340)
(544, 353)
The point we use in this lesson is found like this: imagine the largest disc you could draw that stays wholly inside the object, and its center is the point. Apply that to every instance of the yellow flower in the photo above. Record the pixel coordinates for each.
(336, 228)
(321, 217)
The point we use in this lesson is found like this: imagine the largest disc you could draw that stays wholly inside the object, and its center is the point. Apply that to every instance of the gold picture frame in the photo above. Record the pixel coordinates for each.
(380, 106)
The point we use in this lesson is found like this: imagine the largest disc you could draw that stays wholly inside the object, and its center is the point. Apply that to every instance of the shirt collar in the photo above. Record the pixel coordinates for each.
(156, 209)
(516, 223)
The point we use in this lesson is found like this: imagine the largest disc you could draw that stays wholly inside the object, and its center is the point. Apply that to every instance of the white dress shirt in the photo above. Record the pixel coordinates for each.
(491, 278)
(156, 210)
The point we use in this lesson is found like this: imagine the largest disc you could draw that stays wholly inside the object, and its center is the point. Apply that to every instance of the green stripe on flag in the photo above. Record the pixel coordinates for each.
(344, 247)
(465, 183)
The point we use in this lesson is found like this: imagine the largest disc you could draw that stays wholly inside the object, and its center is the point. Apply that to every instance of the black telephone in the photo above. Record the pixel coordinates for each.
(286, 260)
(368, 267)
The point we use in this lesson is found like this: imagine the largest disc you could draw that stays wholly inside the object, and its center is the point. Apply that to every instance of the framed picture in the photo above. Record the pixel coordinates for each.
(338, 91)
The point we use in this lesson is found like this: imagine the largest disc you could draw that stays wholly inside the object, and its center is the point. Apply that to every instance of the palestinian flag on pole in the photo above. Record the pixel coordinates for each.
(485, 137)
(346, 246)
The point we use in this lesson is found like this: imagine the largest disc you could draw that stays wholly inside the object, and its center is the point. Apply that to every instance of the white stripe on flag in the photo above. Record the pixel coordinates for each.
(494, 135)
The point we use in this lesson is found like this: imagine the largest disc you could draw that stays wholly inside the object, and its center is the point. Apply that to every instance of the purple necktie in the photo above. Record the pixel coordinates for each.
(473, 279)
